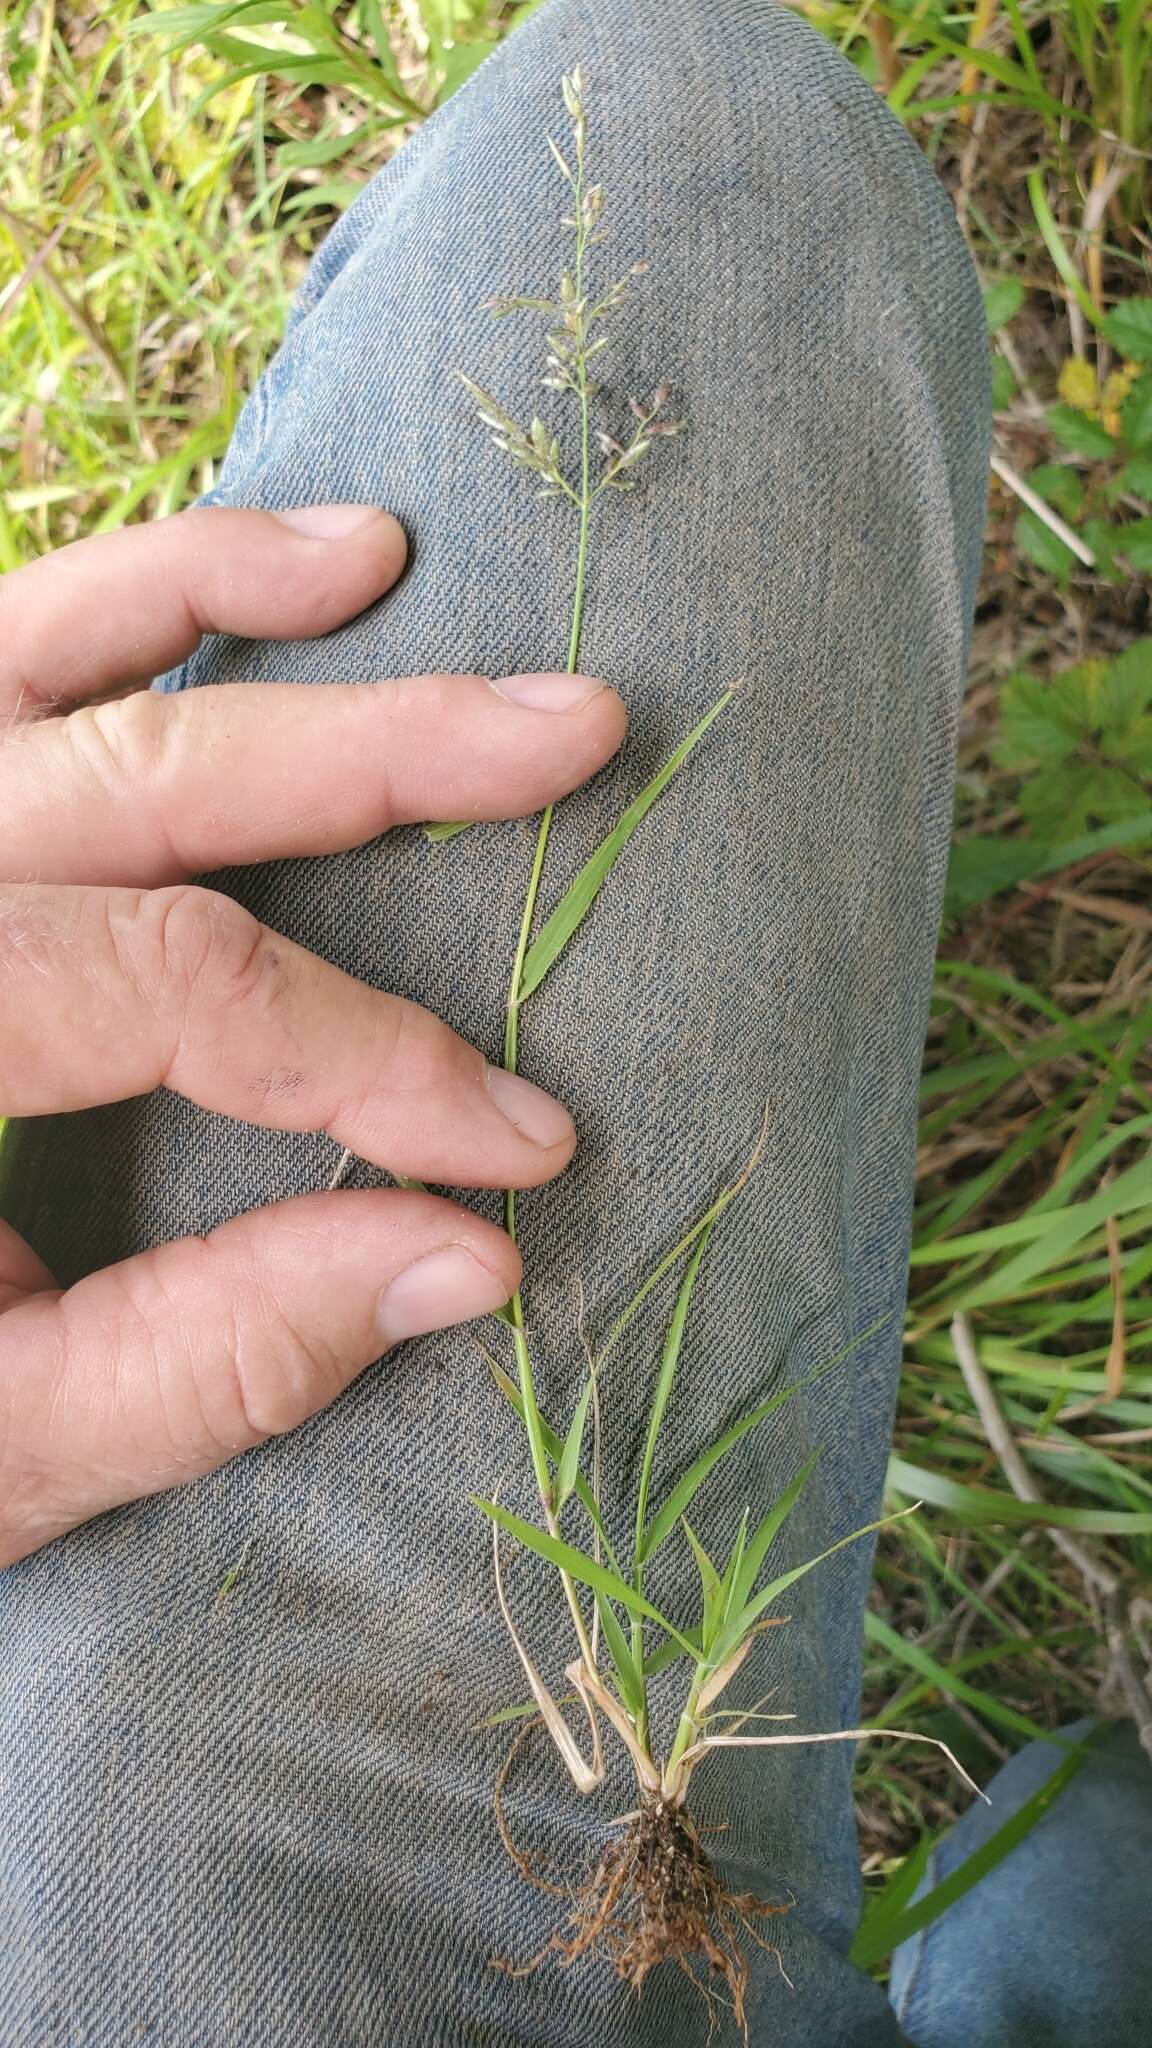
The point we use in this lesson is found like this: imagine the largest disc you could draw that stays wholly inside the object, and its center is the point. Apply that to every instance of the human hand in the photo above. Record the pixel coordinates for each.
(118, 976)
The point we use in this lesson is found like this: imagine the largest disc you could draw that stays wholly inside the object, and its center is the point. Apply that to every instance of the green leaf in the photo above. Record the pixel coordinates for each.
(747, 1616)
(710, 1583)
(1079, 433)
(766, 1534)
(1003, 384)
(1003, 299)
(629, 1680)
(1043, 547)
(1064, 1229)
(1136, 475)
(1054, 243)
(951, 1684)
(555, 1450)
(884, 1908)
(685, 1491)
(1134, 542)
(981, 867)
(662, 1392)
(877, 1937)
(1060, 486)
(1100, 535)
(578, 899)
(978, 1507)
(438, 833)
(682, 1494)
(569, 1465)
(1038, 723)
(1136, 416)
(1126, 692)
(579, 1566)
(1129, 328)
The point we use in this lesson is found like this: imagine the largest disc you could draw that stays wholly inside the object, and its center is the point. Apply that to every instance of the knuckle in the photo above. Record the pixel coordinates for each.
(270, 1374)
(207, 944)
(120, 747)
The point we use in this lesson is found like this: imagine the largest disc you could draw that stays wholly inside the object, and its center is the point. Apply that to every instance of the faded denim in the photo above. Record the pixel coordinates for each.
(269, 1822)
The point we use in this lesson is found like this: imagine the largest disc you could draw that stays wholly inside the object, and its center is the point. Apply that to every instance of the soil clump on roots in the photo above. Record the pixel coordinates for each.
(654, 1896)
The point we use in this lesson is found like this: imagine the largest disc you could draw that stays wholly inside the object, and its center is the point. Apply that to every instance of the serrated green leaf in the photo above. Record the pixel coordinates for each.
(1136, 414)
(1060, 486)
(579, 1566)
(1079, 433)
(1100, 536)
(578, 899)
(1126, 690)
(1035, 726)
(980, 868)
(438, 833)
(1136, 475)
(1003, 299)
(1134, 542)
(1129, 328)
(1043, 547)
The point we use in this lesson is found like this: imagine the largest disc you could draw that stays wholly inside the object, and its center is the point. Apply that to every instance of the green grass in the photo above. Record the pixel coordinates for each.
(163, 193)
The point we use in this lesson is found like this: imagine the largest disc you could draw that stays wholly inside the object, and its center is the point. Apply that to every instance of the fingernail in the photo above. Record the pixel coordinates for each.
(549, 693)
(446, 1287)
(328, 522)
(536, 1115)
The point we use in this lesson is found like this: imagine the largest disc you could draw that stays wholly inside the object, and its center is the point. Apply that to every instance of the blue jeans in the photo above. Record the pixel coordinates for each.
(269, 1821)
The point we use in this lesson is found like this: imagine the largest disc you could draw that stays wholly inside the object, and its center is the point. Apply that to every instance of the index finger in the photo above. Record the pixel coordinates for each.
(123, 607)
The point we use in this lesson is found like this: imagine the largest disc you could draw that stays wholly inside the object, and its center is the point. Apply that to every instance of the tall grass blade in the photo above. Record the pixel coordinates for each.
(881, 1933)
(978, 1506)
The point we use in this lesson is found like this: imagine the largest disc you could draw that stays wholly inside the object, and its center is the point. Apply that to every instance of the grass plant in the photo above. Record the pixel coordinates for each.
(162, 194)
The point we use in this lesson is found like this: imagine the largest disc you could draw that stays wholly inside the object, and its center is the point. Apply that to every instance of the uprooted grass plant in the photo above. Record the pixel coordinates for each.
(653, 1895)
(163, 192)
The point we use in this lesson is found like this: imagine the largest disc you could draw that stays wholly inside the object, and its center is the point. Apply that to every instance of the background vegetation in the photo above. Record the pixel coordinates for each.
(165, 177)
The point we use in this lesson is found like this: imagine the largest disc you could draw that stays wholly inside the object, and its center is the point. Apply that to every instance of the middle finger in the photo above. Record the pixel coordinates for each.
(153, 788)
(107, 993)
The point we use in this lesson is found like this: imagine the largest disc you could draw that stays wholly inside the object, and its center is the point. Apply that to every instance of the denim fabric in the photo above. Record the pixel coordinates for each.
(1051, 1949)
(269, 1822)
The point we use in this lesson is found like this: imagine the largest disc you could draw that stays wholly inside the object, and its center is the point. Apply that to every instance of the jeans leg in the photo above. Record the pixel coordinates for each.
(270, 1822)
(1051, 1949)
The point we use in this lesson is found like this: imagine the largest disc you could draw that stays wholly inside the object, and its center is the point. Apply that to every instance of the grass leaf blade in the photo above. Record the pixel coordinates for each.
(757, 1550)
(578, 1565)
(662, 1392)
(579, 897)
(569, 1464)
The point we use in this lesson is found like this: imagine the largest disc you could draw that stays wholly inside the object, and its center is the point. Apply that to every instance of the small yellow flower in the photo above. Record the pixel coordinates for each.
(1078, 384)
